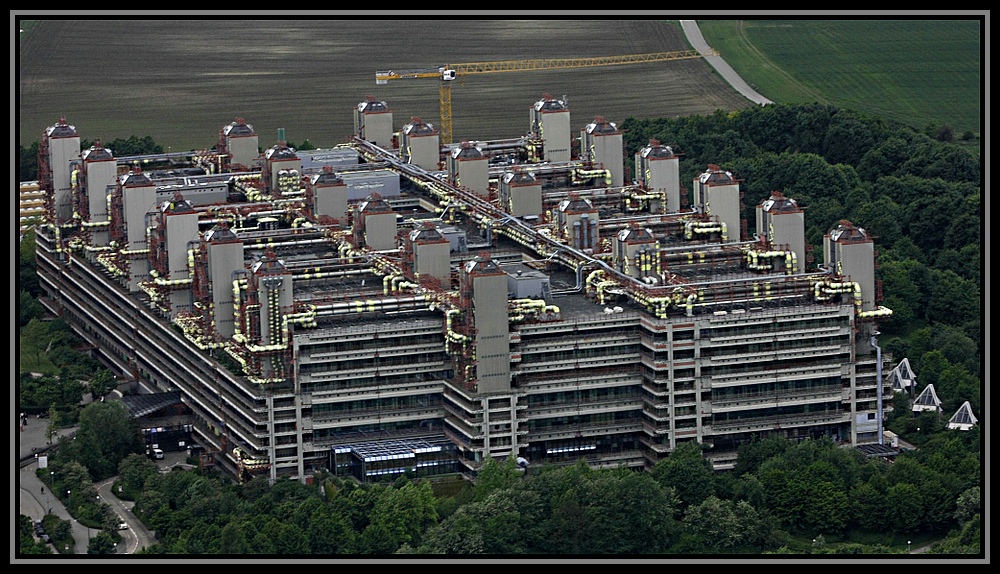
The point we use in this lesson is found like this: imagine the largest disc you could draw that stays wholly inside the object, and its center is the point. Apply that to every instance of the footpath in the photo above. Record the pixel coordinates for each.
(693, 34)
(35, 500)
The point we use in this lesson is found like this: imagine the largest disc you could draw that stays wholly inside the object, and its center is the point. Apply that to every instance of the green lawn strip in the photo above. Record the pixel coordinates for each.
(917, 72)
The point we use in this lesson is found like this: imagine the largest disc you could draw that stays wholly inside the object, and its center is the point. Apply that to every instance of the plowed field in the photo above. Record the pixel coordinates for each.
(181, 81)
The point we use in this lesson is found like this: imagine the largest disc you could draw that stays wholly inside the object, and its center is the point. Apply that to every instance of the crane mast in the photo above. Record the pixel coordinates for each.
(449, 72)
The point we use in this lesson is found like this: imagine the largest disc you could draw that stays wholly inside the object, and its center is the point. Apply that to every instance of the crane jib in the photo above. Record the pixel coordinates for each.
(452, 71)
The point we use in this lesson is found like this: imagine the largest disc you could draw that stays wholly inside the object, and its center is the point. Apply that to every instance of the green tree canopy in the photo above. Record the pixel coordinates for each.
(687, 472)
(106, 436)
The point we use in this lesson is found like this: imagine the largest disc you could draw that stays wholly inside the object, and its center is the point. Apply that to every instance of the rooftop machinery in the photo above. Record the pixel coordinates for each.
(449, 72)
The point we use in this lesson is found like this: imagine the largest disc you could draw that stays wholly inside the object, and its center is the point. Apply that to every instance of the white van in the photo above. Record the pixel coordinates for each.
(158, 454)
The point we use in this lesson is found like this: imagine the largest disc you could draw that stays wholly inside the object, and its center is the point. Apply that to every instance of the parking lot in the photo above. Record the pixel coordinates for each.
(171, 460)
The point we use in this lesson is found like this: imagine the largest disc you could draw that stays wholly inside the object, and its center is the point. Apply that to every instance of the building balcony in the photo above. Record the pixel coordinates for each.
(767, 423)
(765, 400)
(369, 370)
(716, 341)
(533, 362)
(580, 408)
(787, 354)
(334, 357)
(578, 431)
(755, 377)
(323, 420)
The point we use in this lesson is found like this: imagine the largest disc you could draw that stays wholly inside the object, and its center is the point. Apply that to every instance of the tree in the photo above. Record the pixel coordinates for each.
(944, 133)
(133, 472)
(127, 147)
(55, 423)
(460, 533)
(496, 475)
(583, 510)
(687, 472)
(330, 532)
(28, 308)
(965, 541)
(27, 163)
(106, 435)
(749, 489)
(627, 513)
(35, 340)
(968, 505)
(403, 514)
(102, 383)
(507, 521)
(868, 507)
(26, 543)
(751, 455)
(377, 539)
(904, 506)
(233, 539)
(724, 526)
(954, 299)
(827, 508)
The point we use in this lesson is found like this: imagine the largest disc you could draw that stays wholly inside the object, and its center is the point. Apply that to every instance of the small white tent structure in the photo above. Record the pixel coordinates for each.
(963, 419)
(927, 400)
(902, 377)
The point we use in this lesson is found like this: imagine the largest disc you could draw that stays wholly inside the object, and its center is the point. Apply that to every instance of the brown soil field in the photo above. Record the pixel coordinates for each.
(180, 81)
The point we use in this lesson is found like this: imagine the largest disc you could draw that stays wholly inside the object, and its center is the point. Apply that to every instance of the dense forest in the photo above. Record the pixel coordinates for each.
(919, 195)
(780, 496)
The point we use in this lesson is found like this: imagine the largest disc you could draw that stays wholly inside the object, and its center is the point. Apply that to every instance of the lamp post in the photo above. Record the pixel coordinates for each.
(908, 542)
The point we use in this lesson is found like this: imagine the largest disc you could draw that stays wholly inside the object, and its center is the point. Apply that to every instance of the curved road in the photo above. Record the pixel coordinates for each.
(693, 33)
(35, 502)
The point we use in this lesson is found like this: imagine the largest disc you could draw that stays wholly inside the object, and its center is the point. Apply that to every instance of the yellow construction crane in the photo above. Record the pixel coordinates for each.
(449, 72)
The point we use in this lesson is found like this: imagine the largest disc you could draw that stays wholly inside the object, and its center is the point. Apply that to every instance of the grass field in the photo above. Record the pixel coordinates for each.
(181, 81)
(914, 71)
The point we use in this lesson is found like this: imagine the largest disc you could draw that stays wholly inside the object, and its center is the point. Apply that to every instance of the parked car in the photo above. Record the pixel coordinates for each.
(45, 538)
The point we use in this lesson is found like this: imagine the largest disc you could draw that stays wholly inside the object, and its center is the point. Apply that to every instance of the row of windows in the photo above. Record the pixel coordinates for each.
(384, 340)
(385, 403)
(779, 388)
(772, 328)
(578, 335)
(787, 411)
(583, 420)
(370, 431)
(372, 363)
(374, 381)
(782, 364)
(772, 346)
(580, 447)
(571, 355)
(625, 393)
